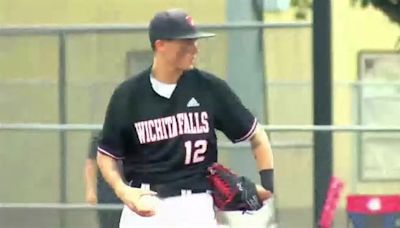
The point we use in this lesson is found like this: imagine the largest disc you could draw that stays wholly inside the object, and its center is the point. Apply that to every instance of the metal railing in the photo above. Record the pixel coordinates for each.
(269, 128)
(61, 206)
(96, 28)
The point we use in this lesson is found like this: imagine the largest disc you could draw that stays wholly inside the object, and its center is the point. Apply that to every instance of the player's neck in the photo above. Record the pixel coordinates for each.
(163, 72)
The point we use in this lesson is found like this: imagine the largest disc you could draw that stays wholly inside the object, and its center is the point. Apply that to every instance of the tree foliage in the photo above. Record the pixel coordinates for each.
(302, 7)
(390, 8)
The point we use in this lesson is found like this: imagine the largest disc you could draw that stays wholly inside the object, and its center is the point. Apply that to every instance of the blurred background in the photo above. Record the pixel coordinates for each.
(61, 59)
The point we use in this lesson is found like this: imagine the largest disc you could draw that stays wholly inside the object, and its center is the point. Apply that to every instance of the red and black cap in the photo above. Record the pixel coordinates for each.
(174, 24)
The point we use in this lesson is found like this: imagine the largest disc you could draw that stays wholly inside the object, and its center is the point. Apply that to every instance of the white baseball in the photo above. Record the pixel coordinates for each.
(149, 202)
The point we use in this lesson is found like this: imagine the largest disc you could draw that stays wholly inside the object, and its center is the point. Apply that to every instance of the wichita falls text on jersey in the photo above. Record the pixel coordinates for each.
(171, 126)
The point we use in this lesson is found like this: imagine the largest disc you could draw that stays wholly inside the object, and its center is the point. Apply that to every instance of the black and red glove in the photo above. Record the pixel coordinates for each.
(231, 192)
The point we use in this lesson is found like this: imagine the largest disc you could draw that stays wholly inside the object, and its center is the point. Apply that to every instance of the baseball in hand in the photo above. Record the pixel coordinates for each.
(149, 202)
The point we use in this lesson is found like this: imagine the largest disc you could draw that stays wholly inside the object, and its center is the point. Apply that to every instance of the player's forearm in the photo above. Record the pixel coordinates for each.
(90, 175)
(263, 154)
(261, 148)
(111, 172)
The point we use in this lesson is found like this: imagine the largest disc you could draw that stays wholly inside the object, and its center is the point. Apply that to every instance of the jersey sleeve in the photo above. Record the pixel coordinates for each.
(232, 117)
(111, 141)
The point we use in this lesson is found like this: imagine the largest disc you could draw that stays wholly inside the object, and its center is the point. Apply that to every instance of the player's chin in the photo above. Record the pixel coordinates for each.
(189, 65)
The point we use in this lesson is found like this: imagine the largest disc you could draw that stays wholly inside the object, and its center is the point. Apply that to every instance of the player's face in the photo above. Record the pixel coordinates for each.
(181, 53)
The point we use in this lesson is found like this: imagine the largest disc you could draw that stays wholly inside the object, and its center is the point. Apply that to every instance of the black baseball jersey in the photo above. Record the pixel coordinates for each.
(167, 141)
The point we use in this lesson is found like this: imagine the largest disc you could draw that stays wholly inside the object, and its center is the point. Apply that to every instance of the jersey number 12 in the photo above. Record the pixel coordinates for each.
(195, 151)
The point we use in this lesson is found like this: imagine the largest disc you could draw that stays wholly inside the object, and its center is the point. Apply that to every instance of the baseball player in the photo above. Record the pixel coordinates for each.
(162, 124)
(97, 189)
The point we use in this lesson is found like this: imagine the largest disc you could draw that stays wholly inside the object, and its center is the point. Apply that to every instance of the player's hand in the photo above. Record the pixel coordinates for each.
(263, 193)
(136, 199)
(91, 197)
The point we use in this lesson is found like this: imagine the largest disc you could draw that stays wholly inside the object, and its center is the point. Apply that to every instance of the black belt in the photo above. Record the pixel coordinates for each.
(164, 191)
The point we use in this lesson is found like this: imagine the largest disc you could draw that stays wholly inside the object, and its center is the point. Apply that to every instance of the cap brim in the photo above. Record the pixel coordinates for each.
(197, 35)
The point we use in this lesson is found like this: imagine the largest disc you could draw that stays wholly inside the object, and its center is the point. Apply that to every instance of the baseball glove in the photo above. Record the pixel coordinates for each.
(231, 192)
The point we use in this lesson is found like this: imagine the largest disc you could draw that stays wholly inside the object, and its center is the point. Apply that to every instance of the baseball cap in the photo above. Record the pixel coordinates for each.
(174, 24)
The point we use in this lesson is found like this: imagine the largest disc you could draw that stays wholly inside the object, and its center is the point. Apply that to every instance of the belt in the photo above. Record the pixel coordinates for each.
(164, 191)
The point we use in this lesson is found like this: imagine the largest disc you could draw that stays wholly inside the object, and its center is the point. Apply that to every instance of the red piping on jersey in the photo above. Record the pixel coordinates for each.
(250, 133)
(108, 153)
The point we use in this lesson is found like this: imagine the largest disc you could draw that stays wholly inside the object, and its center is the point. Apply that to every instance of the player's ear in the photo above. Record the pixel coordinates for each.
(159, 45)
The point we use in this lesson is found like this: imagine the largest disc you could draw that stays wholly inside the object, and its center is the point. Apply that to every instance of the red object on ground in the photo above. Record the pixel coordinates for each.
(331, 202)
(373, 204)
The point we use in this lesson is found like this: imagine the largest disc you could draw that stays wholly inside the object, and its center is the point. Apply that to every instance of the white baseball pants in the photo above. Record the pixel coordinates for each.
(189, 210)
